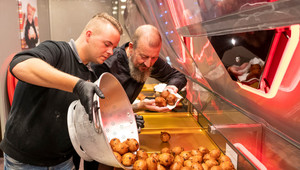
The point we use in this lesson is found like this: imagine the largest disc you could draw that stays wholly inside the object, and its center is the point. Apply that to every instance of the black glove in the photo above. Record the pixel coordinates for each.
(139, 121)
(85, 91)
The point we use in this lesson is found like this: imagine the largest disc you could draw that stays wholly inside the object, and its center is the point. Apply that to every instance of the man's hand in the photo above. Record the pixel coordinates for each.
(237, 70)
(149, 104)
(85, 91)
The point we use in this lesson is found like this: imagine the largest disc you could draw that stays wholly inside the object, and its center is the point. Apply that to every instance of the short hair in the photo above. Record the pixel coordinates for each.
(106, 18)
(148, 32)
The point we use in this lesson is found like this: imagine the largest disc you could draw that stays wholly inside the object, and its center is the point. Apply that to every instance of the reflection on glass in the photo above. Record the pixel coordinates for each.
(244, 54)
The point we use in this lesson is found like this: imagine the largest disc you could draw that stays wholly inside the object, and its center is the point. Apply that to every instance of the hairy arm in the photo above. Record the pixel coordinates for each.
(38, 72)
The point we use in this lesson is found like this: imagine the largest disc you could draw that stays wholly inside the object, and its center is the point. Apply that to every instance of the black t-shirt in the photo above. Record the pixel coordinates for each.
(117, 64)
(36, 131)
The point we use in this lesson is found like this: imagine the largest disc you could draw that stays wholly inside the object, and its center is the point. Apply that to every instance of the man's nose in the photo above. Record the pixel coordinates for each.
(110, 51)
(148, 62)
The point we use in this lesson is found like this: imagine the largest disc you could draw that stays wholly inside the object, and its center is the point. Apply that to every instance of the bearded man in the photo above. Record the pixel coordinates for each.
(132, 64)
(135, 61)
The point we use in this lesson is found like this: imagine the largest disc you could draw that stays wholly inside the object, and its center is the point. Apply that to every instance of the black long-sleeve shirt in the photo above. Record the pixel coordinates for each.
(117, 64)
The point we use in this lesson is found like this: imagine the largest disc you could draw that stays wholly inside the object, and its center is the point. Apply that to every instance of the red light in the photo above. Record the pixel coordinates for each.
(250, 156)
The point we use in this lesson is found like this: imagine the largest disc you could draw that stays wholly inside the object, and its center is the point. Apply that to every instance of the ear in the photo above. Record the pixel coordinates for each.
(130, 45)
(88, 35)
(130, 48)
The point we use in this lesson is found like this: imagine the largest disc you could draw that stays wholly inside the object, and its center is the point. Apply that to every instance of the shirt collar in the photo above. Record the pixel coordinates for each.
(125, 45)
(73, 46)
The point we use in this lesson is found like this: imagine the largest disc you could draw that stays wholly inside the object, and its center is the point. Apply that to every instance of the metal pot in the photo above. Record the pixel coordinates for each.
(113, 117)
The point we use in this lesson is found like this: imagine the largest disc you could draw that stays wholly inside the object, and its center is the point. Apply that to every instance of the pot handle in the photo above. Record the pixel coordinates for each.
(95, 118)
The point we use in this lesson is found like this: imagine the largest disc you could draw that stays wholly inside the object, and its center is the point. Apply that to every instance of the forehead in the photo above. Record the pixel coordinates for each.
(144, 49)
(109, 33)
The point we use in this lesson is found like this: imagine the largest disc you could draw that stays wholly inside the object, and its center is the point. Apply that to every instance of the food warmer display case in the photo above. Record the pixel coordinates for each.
(253, 117)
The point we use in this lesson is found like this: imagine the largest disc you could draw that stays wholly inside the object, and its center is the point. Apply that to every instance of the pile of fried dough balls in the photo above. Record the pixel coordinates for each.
(175, 158)
(165, 98)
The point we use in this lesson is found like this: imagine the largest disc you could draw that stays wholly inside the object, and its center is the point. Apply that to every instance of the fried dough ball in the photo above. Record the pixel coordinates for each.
(165, 150)
(185, 155)
(179, 159)
(216, 168)
(151, 163)
(155, 156)
(160, 167)
(118, 156)
(204, 166)
(141, 96)
(141, 154)
(176, 166)
(227, 165)
(254, 71)
(188, 163)
(165, 136)
(114, 141)
(140, 165)
(186, 168)
(197, 166)
(203, 150)
(128, 159)
(166, 159)
(133, 144)
(196, 159)
(196, 152)
(160, 102)
(224, 158)
(177, 150)
(215, 153)
(164, 94)
(207, 157)
(121, 148)
(171, 99)
(211, 162)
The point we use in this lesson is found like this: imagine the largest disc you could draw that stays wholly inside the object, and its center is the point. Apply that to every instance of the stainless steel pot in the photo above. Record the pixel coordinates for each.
(113, 117)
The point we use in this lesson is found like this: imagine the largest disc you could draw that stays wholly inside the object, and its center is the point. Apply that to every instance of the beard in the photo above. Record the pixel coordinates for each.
(138, 75)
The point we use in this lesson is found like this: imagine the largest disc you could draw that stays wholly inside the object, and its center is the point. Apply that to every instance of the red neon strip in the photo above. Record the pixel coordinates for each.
(250, 156)
(270, 57)
(203, 49)
(177, 24)
(173, 13)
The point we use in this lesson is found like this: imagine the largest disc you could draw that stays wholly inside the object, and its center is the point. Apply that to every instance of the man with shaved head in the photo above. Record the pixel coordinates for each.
(52, 75)
(135, 61)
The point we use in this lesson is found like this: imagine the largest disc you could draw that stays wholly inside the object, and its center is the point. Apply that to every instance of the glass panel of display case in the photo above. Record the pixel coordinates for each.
(245, 16)
(256, 142)
(193, 11)
(263, 148)
(215, 110)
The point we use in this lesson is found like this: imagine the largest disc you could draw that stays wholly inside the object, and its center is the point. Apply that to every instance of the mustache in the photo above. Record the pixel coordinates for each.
(143, 65)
